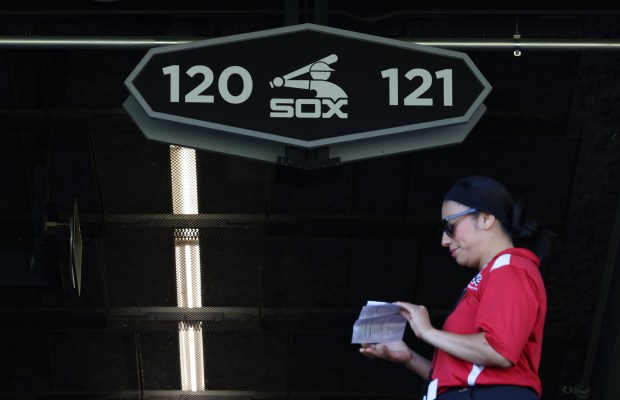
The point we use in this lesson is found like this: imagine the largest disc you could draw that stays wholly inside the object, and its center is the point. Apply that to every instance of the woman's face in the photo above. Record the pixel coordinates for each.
(463, 245)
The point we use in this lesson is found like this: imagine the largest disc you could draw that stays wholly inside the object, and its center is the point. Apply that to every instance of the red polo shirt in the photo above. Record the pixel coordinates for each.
(507, 301)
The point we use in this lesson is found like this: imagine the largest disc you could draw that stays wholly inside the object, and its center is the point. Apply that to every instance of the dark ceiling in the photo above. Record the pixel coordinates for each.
(288, 256)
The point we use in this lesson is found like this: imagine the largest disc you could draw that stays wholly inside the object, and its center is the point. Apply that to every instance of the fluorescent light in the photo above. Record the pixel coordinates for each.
(184, 180)
(187, 259)
(191, 357)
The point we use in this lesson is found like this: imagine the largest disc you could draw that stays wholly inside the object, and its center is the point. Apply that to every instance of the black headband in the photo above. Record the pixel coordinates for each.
(477, 200)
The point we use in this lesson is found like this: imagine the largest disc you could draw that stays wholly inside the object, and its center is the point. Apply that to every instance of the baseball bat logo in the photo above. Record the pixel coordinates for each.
(329, 97)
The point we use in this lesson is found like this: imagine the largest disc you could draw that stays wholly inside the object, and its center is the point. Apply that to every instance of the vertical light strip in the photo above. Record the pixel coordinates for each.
(187, 258)
(188, 274)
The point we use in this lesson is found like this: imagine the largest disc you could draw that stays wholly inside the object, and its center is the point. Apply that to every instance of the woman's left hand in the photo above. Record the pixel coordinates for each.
(418, 317)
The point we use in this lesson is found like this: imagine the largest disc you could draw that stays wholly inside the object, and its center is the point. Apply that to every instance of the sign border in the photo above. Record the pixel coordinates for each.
(262, 150)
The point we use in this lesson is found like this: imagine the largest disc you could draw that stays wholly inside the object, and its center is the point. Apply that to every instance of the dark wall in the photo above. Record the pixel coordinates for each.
(288, 256)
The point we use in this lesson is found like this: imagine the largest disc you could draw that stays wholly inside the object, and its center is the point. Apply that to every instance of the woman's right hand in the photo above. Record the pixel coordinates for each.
(397, 352)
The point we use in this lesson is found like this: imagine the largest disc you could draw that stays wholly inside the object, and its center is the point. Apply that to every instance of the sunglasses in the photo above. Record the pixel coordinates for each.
(448, 228)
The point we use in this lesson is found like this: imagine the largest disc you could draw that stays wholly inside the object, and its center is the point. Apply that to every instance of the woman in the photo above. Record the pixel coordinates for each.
(490, 345)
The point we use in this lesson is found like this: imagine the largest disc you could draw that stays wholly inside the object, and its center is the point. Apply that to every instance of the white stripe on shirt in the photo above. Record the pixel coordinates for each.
(476, 370)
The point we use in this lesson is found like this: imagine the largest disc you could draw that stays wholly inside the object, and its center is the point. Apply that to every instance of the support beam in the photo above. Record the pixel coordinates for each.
(136, 42)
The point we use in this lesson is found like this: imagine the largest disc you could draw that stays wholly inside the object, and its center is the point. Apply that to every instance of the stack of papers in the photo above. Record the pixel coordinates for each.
(379, 322)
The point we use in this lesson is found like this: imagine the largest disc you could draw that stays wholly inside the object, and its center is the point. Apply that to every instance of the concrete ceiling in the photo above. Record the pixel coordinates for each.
(288, 256)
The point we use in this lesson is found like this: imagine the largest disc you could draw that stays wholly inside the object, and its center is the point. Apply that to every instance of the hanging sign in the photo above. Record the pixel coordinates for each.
(306, 87)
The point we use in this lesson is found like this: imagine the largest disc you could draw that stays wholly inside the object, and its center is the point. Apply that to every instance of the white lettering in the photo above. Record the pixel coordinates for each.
(280, 108)
(334, 108)
(314, 111)
(307, 108)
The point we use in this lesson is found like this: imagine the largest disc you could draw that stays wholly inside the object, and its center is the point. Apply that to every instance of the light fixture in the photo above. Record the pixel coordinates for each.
(187, 260)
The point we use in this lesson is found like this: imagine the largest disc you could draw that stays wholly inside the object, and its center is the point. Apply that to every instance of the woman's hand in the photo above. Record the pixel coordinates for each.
(397, 352)
(400, 353)
(418, 318)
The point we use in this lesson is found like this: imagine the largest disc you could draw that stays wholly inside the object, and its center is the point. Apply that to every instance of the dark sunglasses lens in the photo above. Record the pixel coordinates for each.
(447, 228)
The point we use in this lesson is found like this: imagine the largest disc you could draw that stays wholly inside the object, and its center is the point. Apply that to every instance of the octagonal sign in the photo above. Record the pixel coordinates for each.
(306, 86)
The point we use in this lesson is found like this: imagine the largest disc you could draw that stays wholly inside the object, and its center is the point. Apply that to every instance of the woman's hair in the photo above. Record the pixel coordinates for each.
(488, 195)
